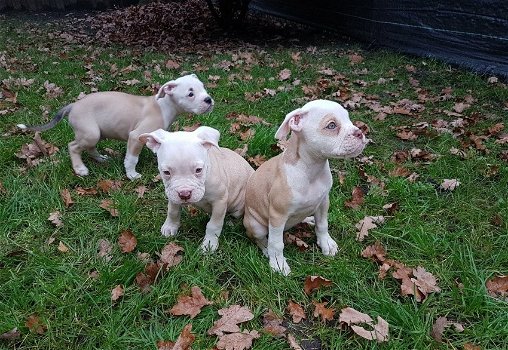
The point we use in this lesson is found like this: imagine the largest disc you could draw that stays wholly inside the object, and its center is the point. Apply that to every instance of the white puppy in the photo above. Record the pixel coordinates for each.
(122, 116)
(295, 184)
(195, 170)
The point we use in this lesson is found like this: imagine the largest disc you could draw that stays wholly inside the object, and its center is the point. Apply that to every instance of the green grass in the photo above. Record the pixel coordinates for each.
(448, 233)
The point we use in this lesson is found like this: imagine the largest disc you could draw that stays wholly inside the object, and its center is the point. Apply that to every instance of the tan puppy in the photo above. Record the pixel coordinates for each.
(295, 184)
(122, 116)
(195, 170)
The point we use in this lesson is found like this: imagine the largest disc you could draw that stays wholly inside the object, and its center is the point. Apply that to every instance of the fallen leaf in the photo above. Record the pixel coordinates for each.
(495, 129)
(257, 160)
(273, 324)
(366, 224)
(425, 281)
(237, 341)
(184, 341)
(170, 64)
(66, 197)
(292, 239)
(314, 282)
(190, 305)
(379, 333)
(62, 247)
(108, 205)
(293, 344)
(470, 346)
(231, 316)
(105, 248)
(109, 185)
(127, 241)
(88, 191)
(56, 218)
(375, 251)
(145, 279)
(284, 74)
(140, 190)
(350, 316)
(497, 286)
(355, 59)
(11, 335)
(357, 198)
(52, 90)
(296, 311)
(449, 184)
(35, 325)
(321, 310)
(170, 255)
(391, 208)
(117, 292)
(439, 327)
(406, 135)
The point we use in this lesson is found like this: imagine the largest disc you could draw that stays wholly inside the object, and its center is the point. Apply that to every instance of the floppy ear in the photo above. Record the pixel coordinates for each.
(209, 136)
(154, 139)
(166, 89)
(293, 121)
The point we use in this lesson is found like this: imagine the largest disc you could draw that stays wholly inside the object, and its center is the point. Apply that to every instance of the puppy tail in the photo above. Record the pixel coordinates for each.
(59, 116)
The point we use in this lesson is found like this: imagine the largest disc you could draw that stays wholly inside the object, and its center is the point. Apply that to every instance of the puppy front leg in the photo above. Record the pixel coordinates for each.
(324, 240)
(276, 223)
(172, 223)
(214, 226)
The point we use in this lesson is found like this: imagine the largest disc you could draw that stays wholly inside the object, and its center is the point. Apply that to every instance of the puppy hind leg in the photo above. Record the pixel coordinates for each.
(134, 147)
(101, 158)
(258, 233)
(75, 150)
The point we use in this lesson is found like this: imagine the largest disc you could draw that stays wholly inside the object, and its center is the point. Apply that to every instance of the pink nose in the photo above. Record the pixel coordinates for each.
(358, 134)
(185, 194)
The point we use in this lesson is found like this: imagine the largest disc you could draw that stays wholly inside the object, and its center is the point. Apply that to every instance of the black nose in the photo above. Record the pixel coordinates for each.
(208, 100)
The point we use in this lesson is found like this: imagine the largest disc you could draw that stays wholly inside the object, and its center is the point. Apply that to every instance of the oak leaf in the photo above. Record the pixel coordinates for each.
(105, 248)
(66, 197)
(62, 247)
(273, 324)
(449, 184)
(314, 282)
(190, 305)
(237, 341)
(498, 286)
(10, 335)
(440, 325)
(353, 317)
(357, 198)
(321, 310)
(284, 74)
(109, 185)
(184, 341)
(170, 255)
(127, 241)
(293, 344)
(56, 218)
(108, 205)
(117, 292)
(296, 311)
(231, 316)
(366, 224)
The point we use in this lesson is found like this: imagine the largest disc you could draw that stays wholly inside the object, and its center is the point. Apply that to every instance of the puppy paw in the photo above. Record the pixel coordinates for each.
(101, 158)
(81, 170)
(328, 246)
(309, 220)
(209, 245)
(133, 175)
(279, 264)
(169, 229)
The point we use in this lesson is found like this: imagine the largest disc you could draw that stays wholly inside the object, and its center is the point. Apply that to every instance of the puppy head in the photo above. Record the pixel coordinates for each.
(182, 159)
(325, 129)
(188, 93)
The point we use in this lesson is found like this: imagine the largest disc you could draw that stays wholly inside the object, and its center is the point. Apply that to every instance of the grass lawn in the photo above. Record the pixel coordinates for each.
(460, 236)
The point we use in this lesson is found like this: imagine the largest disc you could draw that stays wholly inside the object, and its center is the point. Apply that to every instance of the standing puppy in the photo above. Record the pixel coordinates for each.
(295, 184)
(122, 116)
(195, 170)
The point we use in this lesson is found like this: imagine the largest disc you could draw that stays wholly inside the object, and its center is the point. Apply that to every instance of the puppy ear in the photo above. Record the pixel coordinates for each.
(293, 121)
(154, 139)
(209, 136)
(166, 89)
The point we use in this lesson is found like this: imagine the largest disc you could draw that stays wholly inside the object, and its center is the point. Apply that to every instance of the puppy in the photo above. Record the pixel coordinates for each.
(295, 184)
(122, 116)
(195, 170)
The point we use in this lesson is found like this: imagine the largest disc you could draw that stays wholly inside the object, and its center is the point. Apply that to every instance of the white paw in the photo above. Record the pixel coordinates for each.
(328, 246)
(279, 264)
(81, 170)
(101, 158)
(169, 229)
(133, 175)
(209, 245)
(309, 220)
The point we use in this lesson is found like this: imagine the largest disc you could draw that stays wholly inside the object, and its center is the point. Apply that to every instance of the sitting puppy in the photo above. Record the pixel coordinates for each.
(122, 116)
(295, 184)
(195, 170)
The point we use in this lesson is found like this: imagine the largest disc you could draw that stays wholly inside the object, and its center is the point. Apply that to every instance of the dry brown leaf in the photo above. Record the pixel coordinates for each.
(109, 185)
(350, 316)
(145, 279)
(375, 251)
(292, 239)
(140, 190)
(293, 344)
(470, 346)
(237, 341)
(11, 335)
(108, 205)
(498, 286)
(105, 248)
(35, 325)
(391, 208)
(379, 332)
(117, 292)
(243, 150)
(170, 255)
(66, 197)
(321, 310)
(355, 59)
(284, 74)
(440, 325)
(56, 218)
(406, 135)
(88, 191)
(366, 224)
(257, 160)
(357, 198)
(127, 241)
(184, 341)
(496, 128)
(296, 311)
(62, 247)
(425, 281)
(170, 64)
(314, 282)
(231, 316)
(273, 324)
(190, 305)
(449, 184)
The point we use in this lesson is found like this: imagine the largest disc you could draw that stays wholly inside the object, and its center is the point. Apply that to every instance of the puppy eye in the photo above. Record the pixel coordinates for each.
(167, 172)
(199, 170)
(190, 94)
(331, 126)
